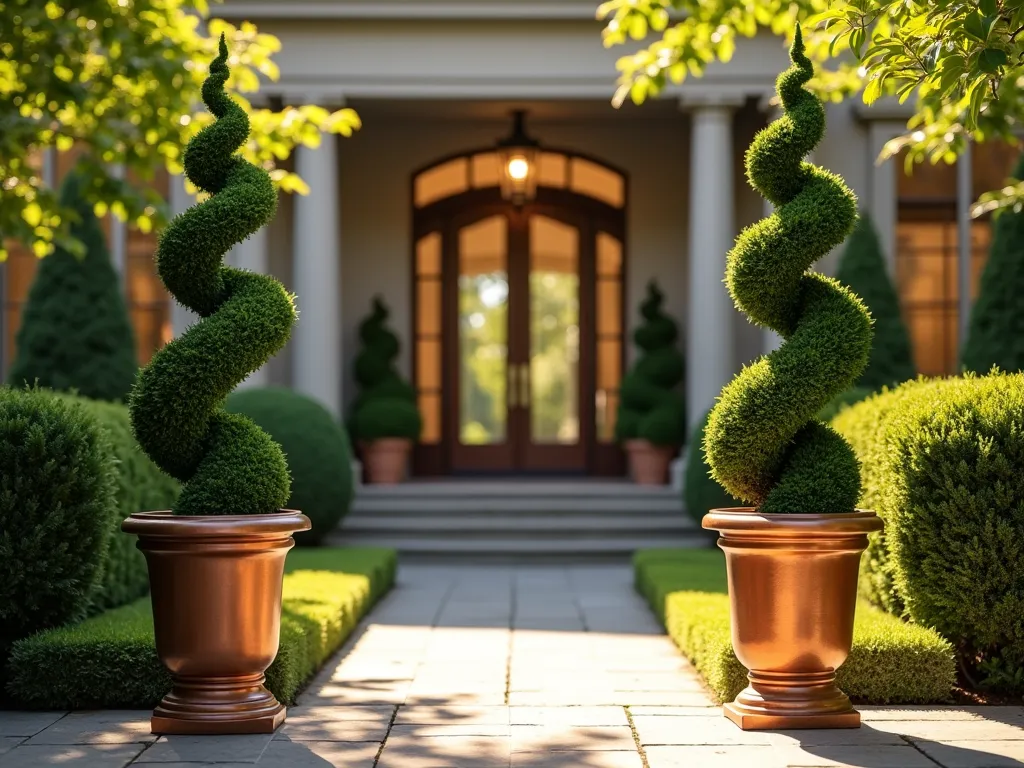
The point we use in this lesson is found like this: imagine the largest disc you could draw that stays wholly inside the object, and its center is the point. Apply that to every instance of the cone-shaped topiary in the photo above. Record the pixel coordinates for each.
(652, 409)
(75, 331)
(996, 333)
(228, 465)
(763, 442)
(386, 404)
(862, 268)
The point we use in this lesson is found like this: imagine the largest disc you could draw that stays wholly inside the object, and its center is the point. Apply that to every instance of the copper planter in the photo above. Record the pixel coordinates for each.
(648, 463)
(793, 593)
(386, 459)
(216, 590)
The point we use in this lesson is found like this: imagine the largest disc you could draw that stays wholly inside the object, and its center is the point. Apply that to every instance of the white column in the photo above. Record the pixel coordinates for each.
(712, 232)
(883, 201)
(316, 341)
(252, 254)
(49, 169)
(180, 201)
(118, 234)
(964, 199)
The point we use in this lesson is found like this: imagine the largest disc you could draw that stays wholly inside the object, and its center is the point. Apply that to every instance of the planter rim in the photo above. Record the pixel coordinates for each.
(747, 520)
(164, 523)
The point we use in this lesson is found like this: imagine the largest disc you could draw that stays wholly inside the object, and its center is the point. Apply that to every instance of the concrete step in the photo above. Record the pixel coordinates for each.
(552, 524)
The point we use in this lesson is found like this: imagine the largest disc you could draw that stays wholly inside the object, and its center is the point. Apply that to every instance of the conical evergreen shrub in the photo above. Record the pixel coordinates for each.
(862, 269)
(75, 331)
(763, 441)
(652, 408)
(996, 333)
(386, 403)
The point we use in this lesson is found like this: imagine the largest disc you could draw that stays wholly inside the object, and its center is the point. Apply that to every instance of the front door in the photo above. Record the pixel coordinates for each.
(521, 309)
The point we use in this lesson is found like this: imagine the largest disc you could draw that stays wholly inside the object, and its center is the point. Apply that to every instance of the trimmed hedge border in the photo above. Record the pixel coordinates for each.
(891, 662)
(110, 661)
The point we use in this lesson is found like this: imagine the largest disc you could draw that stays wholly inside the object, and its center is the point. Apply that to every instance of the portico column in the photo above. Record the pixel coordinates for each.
(252, 254)
(119, 235)
(180, 201)
(883, 202)
(316, 340)
(709, 332)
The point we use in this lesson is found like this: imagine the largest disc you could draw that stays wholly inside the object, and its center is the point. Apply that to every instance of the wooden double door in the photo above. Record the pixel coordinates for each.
(520, 339)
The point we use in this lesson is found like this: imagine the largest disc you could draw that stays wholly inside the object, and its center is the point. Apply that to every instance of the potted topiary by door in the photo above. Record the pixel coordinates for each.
(651, 423)
(384, 419)
(793, 555)
(216, 561)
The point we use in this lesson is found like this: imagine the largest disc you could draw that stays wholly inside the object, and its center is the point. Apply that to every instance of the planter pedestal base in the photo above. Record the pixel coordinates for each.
(218, 706)
(776, 701)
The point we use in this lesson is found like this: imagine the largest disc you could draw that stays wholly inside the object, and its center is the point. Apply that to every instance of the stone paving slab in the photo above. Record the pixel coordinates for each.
(517, 667)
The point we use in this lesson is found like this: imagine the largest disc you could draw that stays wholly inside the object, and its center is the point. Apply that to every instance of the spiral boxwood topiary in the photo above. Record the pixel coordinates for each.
(317, 449)
(763, 442)
(228, 465)
(651, 407)
(386, 404)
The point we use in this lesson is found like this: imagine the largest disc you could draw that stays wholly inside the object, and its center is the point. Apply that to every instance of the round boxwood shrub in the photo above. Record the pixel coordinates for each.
(317, 450)
(652, 408)
(57, 486)
(227, 464)
(701, 492)
(386, 403)
(862, 268)
(995, 336)
(140, 486)
(942, 465)
(75, 332)
(763, 441)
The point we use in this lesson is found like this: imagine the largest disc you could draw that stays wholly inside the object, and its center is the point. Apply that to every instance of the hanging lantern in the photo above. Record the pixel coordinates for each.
(518, 155)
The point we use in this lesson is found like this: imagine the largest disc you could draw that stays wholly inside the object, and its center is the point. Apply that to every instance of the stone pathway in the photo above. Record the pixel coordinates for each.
(518, 667)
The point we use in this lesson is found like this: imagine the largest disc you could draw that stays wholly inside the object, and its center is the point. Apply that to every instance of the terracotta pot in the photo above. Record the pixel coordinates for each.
(648, 463)
(793, 592)
(386, 459)
(216, 590)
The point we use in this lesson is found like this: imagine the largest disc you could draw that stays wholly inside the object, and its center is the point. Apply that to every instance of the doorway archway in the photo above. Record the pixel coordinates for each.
(518, 316)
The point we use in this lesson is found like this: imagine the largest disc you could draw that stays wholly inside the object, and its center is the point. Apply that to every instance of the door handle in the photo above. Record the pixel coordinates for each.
(524, 385)
(512, 390)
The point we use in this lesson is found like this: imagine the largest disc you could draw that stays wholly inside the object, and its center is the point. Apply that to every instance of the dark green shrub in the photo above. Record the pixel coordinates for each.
(701, 492)
(763, 442)
(75, 332)
(652, 408)
(942, 466)
(110, 660)
(316, 448)
(140, 487)
(842, 401)
(57, 485)
(386, 403)
(996, 333)
(227, 464)
(862, 268)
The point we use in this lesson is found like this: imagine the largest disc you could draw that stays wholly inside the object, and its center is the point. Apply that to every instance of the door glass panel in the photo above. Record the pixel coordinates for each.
(483, 331)
(554, 332)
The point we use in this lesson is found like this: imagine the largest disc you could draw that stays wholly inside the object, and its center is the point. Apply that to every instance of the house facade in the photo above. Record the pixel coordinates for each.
(515, 305)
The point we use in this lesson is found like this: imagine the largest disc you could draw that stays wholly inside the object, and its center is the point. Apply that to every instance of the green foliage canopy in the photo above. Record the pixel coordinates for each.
(121, 80)
(229, 466)
(763, 441)
(75, 331)
(964, 61)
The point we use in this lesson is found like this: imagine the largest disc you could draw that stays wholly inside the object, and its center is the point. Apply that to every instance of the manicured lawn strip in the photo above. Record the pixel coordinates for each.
(891, 661)
(110, 661)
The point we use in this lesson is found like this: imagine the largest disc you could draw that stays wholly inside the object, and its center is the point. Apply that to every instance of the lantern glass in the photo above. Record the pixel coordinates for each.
(519, 173)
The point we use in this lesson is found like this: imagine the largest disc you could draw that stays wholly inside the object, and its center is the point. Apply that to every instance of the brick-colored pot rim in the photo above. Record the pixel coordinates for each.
(284, 522)
(735, 522)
